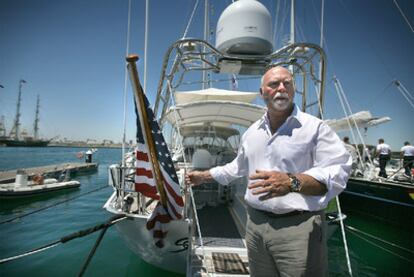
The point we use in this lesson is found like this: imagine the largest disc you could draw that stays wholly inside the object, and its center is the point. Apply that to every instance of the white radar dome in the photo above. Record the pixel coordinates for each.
(245, 28)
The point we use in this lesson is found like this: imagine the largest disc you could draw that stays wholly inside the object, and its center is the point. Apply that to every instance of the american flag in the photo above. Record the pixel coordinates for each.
(146, 165)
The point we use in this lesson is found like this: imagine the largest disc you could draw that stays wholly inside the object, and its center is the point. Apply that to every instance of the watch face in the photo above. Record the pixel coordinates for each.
(295, 184)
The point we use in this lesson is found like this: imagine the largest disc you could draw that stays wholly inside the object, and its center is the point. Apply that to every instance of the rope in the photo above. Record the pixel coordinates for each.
(380, 247)
(113, 220)
(50, 206)
(92, 253)
(34, 251)
(348, 260)
(379, 239)
(341, 221)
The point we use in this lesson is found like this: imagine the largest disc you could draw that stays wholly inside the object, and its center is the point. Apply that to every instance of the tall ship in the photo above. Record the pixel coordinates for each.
(19, 138)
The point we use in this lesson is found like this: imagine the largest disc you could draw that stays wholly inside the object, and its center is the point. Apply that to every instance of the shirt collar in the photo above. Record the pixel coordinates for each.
(296, 114)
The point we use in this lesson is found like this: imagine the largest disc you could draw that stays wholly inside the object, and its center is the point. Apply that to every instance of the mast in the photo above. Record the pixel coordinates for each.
(146, 43)
(206, 29)
(36, 122)
(2, 127)
(320, 62)
(292, 28)
(17, 118)
(292, 22)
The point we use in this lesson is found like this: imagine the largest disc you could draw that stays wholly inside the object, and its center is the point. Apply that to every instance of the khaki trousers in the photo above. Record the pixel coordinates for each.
(286, 246)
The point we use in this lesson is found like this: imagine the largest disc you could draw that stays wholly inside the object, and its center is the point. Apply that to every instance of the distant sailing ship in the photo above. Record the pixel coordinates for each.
(16, 138)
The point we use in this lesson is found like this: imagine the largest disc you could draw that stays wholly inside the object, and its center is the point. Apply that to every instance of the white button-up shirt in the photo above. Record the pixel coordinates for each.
(383, 149)
(303, 144)
(408, 150)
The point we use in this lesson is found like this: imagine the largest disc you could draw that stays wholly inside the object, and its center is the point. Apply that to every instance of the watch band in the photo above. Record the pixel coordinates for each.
(295, 185)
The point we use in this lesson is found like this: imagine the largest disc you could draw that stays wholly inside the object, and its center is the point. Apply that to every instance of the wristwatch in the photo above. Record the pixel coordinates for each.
(295, 185)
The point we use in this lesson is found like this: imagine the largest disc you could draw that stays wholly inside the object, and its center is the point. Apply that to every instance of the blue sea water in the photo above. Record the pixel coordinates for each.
(113, 258)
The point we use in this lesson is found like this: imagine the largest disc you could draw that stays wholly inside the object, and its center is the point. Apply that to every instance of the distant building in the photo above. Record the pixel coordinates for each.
(107, 141)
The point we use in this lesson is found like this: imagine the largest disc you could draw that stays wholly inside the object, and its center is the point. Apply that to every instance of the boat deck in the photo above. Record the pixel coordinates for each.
(223, 252)
(49, 170)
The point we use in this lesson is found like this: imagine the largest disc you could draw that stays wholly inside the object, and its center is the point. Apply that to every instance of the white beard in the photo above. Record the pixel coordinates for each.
(280, 104)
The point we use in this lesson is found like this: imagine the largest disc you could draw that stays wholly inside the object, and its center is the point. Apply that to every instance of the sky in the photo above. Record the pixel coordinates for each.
(72, 53)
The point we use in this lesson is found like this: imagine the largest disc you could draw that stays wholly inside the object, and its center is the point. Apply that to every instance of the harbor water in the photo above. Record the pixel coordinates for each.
(370, 251)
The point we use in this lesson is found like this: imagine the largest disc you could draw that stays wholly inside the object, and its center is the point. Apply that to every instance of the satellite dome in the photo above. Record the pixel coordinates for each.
(245, 28)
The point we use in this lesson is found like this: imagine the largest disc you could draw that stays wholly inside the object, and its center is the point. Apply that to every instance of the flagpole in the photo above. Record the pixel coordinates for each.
(139, 101)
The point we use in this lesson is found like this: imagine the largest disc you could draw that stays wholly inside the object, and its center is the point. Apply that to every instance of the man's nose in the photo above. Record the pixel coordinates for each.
(281, 87)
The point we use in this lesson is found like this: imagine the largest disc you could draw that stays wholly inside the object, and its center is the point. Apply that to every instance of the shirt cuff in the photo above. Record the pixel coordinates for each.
(219, 178)
(319, 175)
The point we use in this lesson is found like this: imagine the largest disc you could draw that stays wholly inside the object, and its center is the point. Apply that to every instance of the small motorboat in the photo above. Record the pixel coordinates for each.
(22, 187)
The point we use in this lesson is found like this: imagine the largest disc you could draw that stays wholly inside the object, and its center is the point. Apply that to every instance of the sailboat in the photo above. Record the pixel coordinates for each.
(203, 128)
(15, 138)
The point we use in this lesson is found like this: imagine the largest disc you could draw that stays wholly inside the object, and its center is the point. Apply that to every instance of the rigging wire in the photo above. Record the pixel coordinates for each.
(403, 15)
(126, 83)
(343, 99)
(181, 146)
(190, 20)
(283, 21)
(172, 99)
(342, 225)
(369, 42)
(338, 204)
(404, 92)
(275, 26)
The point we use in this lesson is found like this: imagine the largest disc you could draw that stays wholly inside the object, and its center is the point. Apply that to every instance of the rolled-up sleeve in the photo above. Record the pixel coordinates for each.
(332, 163)
(231, 171)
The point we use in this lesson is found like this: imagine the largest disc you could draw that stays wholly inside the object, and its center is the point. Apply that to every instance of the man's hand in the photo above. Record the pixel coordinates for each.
(272, 184)
(196, 178)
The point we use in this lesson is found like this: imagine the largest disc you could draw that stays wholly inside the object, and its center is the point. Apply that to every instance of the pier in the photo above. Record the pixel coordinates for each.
(49, 170)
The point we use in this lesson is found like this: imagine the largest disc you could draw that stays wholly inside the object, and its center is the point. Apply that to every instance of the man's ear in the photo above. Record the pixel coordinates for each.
(261, 91)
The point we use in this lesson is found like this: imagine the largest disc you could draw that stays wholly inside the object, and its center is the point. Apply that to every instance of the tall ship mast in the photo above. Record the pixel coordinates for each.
(15, 138)
(36, 122)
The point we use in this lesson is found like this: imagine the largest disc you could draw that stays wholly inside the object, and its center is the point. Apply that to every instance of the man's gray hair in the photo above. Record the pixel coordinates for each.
(273, 66)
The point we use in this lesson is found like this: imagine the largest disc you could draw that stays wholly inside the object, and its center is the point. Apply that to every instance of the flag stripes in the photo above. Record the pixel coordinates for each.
(145, 173)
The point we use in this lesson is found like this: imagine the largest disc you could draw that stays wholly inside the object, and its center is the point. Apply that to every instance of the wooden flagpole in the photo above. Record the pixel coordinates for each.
(139, 101)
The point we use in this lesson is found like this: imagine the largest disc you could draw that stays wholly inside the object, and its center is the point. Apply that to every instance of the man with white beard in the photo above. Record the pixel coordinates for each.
(295, 164)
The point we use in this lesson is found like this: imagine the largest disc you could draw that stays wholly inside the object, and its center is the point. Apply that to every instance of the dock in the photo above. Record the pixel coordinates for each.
(53, 170)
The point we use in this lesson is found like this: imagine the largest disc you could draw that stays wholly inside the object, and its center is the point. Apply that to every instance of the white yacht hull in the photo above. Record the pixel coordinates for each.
(172, 257)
